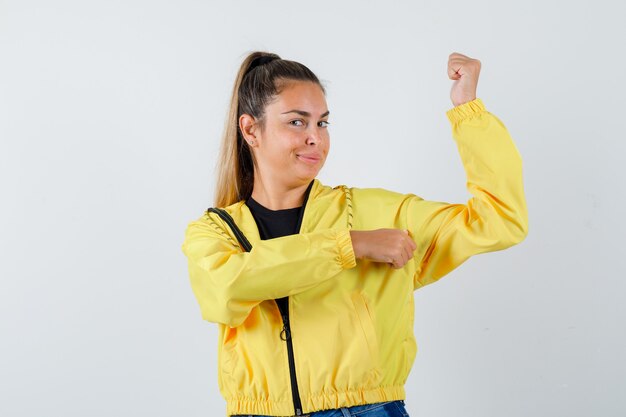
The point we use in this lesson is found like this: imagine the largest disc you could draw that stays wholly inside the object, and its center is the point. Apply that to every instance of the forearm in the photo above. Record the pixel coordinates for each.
(228, 283)
(492, 164)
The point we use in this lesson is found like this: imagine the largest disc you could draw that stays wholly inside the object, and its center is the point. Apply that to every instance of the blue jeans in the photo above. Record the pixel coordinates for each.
(385, 409)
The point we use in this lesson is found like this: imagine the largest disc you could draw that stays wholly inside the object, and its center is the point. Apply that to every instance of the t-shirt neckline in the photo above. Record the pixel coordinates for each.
(259, 207)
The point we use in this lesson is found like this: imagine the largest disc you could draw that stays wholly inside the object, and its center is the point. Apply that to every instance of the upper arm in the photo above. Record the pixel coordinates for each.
(447, 234)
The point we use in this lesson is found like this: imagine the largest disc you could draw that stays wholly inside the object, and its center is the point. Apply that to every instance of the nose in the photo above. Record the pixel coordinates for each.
(314, 135)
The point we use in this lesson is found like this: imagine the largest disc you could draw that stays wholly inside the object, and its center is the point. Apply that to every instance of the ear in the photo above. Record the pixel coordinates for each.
(249, 129)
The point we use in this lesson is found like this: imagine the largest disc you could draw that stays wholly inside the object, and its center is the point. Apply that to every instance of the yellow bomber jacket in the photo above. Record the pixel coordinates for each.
(351, 320)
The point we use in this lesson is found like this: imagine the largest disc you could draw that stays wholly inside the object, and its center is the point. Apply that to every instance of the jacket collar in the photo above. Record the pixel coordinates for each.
(314, 206)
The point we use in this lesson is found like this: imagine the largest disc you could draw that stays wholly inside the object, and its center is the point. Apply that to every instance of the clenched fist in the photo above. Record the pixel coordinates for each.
(464, 70)
(393, 246)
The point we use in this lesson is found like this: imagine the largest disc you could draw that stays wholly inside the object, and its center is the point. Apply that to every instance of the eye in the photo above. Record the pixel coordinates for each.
(295, 121)
(325, 121)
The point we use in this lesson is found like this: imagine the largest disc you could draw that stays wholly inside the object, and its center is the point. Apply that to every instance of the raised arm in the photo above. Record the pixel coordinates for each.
(495, 217)
(229, 283)
(446, 234)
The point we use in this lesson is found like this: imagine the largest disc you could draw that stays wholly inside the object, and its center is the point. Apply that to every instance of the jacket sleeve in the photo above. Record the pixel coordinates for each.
(228, 283)
(494, 218)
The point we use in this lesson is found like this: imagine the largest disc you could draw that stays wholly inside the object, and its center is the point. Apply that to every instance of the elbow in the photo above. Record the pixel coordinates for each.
(522, 224)
(223, 309)
(517, 230)
(221, 316)
(217, 299)
(515, 222)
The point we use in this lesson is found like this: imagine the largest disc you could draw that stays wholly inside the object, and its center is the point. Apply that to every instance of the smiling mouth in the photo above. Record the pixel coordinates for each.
(310, 160)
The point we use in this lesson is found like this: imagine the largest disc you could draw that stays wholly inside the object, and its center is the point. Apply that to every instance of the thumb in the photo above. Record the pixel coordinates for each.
(406, 231)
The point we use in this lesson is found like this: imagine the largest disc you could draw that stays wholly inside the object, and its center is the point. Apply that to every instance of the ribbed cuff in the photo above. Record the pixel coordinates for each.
(346, 251)
(465, 110)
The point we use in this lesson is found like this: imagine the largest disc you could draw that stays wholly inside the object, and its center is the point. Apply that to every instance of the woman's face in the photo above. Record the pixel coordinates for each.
(293, 146)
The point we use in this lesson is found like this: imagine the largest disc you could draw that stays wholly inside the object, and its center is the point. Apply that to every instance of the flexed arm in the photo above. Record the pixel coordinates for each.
(496, 217)
(229, 283)
(443, 235)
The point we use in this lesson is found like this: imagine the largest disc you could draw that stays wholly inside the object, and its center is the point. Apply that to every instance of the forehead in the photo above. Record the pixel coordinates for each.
(300, 95)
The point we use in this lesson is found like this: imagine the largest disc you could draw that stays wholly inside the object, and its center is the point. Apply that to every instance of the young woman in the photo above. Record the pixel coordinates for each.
(315, 308)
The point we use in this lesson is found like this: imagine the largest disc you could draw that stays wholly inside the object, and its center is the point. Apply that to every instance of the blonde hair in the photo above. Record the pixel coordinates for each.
(261, 77)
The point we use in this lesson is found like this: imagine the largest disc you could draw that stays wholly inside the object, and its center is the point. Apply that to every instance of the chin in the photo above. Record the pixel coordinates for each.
(308, 176)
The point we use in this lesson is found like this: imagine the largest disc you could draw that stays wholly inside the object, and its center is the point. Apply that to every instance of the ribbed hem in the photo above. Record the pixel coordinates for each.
(346, 251)
(352, 398)
(236, 406)
(465, 110)
(316, 403)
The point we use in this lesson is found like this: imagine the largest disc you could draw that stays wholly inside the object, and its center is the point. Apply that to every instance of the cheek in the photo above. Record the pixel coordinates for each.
(282, 147)
(327, 143)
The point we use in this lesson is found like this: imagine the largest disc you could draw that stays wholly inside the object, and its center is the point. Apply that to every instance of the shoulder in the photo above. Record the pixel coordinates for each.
(364, 196)
(379, 195)
(373, 207)
(208, 227)
(377, 207)
(365, 192)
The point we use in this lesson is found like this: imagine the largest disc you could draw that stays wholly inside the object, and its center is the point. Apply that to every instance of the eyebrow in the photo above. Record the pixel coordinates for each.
(305, 113)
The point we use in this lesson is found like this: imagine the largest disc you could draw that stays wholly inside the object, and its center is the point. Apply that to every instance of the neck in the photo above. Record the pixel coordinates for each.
(276, 196)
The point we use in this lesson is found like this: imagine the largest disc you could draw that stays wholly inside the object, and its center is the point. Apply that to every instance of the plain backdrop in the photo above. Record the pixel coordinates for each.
(110, 118)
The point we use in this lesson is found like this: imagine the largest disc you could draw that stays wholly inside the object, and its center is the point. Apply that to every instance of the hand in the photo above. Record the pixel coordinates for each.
(393, 246)
(464, 70)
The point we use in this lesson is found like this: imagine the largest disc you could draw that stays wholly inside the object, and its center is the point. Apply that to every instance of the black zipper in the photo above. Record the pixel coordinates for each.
(285, 334)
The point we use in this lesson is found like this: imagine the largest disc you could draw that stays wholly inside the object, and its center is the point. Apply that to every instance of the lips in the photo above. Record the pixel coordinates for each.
(310, 158)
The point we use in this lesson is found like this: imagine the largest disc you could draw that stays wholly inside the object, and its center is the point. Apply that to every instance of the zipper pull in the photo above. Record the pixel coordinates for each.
(285, 333)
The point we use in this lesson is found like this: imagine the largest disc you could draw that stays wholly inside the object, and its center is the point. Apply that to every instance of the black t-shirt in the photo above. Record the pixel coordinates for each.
(274, 223)
(277, 223)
